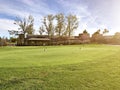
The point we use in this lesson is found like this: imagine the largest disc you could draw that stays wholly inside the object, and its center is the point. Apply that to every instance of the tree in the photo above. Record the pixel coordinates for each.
(0, 41)
(13, 40)
(48, 24)
(85, 32)
(25, 25)
(3, 41)
(41, 30)
(97, 37)
(11, 32)
(116, 38)
(60, 24)
(72, 24)
(97, 32)
(105, 31)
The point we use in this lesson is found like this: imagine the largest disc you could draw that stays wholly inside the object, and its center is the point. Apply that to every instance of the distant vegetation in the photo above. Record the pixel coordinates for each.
(57, 28)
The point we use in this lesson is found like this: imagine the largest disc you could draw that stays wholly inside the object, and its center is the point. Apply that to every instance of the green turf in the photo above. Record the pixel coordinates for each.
(77, 67)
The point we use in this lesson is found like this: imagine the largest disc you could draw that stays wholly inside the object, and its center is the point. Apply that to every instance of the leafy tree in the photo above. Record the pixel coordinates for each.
(97, 37)
(116, 38)
(3, 41)
(72, 24)
(0, 41)
(13, 40)
(85, 32)
(105, 31)
(97, 32)
(117, 35)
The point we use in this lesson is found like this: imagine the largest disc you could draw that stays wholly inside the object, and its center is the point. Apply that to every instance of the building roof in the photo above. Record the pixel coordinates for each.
(108, 36)
(38, 39)
(37, 36)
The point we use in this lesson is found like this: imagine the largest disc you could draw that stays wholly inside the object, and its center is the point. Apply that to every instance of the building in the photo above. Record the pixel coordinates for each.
(40, 40)
(36, 40)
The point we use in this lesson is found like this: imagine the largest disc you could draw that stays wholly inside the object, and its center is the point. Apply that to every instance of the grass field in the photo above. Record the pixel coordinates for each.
(78, 67)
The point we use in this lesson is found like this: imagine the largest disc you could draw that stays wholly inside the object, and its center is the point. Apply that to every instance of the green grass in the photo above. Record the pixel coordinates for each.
(77, 67)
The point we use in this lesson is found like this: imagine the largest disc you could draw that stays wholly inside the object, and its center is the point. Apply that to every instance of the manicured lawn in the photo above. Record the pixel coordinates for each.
(77, 67)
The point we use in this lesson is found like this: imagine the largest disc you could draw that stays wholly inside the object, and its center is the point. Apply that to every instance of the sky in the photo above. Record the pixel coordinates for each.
(92, 14)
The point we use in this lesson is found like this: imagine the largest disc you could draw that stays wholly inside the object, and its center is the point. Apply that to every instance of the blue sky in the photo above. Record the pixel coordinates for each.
(92, 14)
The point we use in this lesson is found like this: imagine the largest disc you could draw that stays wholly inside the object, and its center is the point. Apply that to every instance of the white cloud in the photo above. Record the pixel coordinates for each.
(92, 15)
(6, 25)
(85, 18)
(36, 8)
(95, 15)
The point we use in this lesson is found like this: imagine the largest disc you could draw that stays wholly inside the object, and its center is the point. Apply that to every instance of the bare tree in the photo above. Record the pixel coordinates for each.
(41, 30)
(25, 24)
(48, 23)
(72, 24)
(60, 24)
